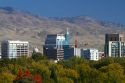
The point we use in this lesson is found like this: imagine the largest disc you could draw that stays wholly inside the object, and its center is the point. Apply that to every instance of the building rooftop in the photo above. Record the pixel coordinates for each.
(17, 41)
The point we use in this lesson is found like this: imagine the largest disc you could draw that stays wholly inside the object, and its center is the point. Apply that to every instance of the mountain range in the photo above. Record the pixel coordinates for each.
(20, 25)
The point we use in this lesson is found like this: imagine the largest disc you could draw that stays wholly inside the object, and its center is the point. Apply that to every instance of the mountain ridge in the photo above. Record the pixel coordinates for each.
(34, 28)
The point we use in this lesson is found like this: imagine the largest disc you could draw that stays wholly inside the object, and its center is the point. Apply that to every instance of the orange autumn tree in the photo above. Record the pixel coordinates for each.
(27, 73)
(37, 78)
(20, 74)
(26, 76)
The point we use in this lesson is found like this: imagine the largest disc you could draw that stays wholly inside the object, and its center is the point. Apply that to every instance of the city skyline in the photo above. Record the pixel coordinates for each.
(99, 9)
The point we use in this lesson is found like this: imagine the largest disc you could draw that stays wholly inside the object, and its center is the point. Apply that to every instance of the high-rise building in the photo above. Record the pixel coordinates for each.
(67, 38)
(13, 49)
(116, 49)
(53, 47)
(53, 53)
(55, 40)
(59, 44)
(113, 37)
(114, 45)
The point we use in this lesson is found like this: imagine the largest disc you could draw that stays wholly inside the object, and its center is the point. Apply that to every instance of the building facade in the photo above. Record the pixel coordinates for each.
(114, 45)
(53, 47)
(77, 52)
(90, 54)
(113, 37)
(101, 55)
(54, 54)
(116, 49)
(14, 49)
(59, 44)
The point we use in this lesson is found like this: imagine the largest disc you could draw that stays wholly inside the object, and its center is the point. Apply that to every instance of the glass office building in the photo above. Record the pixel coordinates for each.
(59, 46)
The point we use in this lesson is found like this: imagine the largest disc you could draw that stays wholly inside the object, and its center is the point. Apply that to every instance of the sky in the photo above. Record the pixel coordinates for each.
(107, 10)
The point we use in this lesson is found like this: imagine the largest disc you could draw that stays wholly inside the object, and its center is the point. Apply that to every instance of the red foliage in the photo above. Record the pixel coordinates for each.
(37, 78)
(20, 73)
(27, 73)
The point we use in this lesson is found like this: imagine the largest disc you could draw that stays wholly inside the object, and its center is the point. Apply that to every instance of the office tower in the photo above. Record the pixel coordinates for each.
(57, 46)
(14, 49)
(53, 47)
(113, 37)
(114, 45)
(116, 49)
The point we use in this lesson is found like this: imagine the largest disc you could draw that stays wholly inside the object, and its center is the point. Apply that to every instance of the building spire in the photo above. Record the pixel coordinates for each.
(67, 37)
(67, 31)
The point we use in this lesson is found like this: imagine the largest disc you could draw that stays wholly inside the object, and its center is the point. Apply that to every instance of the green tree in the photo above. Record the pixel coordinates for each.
(53, 74)
(65, 80)
(6, 77)
(42, 69)
(85, 73)
(114, 73)
(38, 56)
(24, 80)
(104, 62)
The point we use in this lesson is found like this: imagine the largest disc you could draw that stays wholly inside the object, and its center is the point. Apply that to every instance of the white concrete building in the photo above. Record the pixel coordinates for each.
(91, 54)
(77, 52)
(116, 49)
(14, 49)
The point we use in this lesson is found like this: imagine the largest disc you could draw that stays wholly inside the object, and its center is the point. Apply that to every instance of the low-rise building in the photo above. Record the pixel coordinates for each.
(90, 54)
(13, 49)
(101, 55)
(77, 52)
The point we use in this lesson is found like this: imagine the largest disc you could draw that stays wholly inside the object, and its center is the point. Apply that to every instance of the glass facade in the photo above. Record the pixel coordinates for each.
(58, 42)
(50, 41)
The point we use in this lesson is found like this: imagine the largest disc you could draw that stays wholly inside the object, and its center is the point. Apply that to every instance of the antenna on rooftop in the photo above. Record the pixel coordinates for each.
(76, 40)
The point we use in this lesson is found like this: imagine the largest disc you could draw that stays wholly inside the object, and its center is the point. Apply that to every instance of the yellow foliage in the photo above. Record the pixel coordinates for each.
(6, 77)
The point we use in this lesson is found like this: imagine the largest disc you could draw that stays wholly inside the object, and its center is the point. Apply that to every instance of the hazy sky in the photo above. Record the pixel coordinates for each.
(110, 10)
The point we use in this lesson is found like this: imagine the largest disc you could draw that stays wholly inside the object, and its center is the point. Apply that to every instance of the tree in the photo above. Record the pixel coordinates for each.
(24, 80)
(72, 62)
(53, 74)
(84, 72)
(42, 69)
(27, 77)
(6, 77)
(27, 73)
(65, 80)
(114, 73)
(104, 62)
(37, 78)
(38, 56)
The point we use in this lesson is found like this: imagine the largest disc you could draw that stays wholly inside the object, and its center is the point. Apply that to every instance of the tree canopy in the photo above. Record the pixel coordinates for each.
(38, 69)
